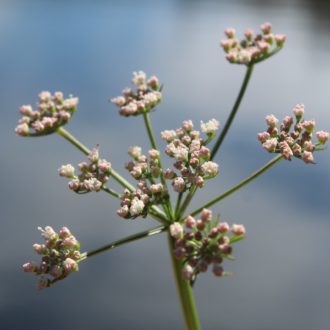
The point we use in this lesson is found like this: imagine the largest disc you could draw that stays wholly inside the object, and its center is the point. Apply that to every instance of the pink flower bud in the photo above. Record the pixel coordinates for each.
(206, 215)
(280, 39)
(266, 28)
(230, 32)
(263, 137)
(70, 265)
(223, 227)
(179, 184)
(322, 136)
(271, 121)
(29, 267)
(238, 230)
(104, 166)
(299, 110)
(66, 171)
(249, 34)
(40, 248)
(64, 233)
(153, 82)
(307, 157)
(93, 156)
(217, 270)
(22, 129)
(270, 145)
(308, 125)
(190, 222)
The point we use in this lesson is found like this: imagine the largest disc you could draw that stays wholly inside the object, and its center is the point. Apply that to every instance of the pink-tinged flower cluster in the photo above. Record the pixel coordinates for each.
(146, 96)
(254, 47)
(53, 111)
(192, 157)
(204, 242)
(144, 169)
(137, 203)
(60, 255)
(293, 137)
(93, 175)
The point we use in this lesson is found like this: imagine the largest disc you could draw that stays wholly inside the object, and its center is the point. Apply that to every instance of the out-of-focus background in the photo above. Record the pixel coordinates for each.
(89, 49)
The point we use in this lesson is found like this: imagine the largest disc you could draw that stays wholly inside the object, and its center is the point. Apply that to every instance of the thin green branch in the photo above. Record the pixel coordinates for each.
(249, 70)
(128, 239)
(111, 192)
(178, 204)
(147, 122)
(187, 201)
(243, 183)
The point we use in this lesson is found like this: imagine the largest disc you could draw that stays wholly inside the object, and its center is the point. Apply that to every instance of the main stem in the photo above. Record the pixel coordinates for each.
(234, 110)
(184, 291)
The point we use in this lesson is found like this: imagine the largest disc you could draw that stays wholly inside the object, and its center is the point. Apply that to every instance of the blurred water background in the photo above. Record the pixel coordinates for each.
(89, 49)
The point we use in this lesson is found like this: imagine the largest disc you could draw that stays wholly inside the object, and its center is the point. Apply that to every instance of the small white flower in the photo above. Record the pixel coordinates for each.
(136, 207)
(135, 152)
(139, 78)
(210, 169)
(210, 127)
(168, 135)
(270, 144)
(66, 171)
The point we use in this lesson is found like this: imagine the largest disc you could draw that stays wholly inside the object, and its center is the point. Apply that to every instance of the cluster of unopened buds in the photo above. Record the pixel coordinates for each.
(191, 155)
(293, 138)
(143, 169)
(201, 243)
(53, 111)
(254, 47)
(146, 96)
(92, 177)
(60, 255)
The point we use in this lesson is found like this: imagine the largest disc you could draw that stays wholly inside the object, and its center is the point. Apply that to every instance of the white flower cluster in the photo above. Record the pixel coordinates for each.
(292, 139)
(146, 97)
(53, 111)
(93, 176)
(192, 156)
(254, 47)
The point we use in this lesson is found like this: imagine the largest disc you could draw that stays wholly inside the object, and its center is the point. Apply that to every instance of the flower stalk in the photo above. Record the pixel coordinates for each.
(248, 74)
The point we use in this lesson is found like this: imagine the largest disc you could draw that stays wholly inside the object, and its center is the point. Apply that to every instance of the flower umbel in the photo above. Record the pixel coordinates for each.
(201, 243)
(92, 177)
(253, 48)
(53, 111)
(293, 138)
(146, 96)
(60, 256)
(193, 165)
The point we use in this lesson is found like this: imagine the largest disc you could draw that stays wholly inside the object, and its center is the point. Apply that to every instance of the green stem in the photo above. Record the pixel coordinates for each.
(178, 204)
(184, 291)
(147, 122)
(111, 192)
(249, 70)
(240, 185)
(151, 135)
(187, 201)
(123, 241)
